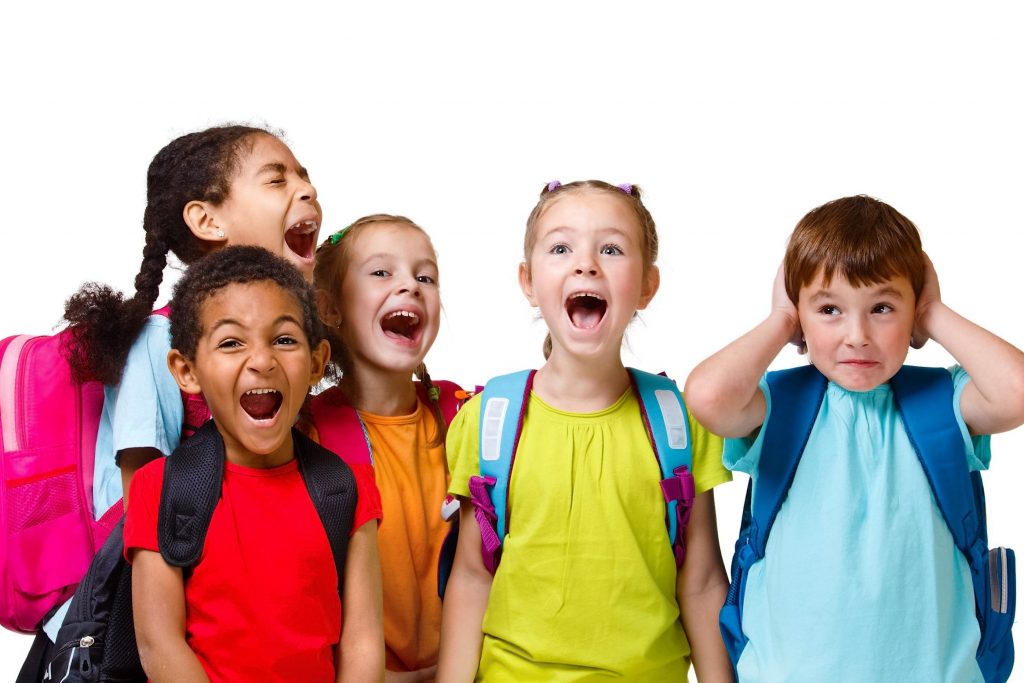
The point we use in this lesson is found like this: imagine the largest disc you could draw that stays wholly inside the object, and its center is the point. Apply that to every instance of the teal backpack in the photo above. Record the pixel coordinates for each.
(502, 409)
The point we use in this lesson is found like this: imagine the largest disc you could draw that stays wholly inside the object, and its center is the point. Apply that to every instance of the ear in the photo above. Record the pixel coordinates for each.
(184, 372)
(526, 283)
(320, 355)
(200, 219)
(329, 313)
(652, 280)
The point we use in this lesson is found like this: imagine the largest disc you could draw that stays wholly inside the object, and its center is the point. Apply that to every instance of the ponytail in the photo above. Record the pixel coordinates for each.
(433, 393)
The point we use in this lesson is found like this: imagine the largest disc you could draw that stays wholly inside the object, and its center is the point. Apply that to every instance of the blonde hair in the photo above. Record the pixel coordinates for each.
(332, 258)
(630, 194)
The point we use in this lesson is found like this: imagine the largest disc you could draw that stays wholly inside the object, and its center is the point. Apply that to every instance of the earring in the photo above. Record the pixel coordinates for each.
(220, 233)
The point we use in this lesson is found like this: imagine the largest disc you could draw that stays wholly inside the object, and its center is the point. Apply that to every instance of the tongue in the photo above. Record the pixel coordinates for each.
(585, 318)
(260, 406)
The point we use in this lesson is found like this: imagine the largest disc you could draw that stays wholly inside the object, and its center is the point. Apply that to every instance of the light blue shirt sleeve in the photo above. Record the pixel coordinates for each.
(143, 411)
(978, 448)
(743, 454)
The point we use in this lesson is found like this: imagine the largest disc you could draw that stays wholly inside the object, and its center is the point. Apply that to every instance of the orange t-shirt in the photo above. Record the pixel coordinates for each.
(412, 479)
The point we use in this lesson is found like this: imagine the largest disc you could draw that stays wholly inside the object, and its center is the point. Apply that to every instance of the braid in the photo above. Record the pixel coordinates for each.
(103, 324)
(435, 404)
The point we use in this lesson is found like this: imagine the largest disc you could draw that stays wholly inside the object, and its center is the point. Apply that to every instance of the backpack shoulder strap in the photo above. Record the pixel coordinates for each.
(191, 488)
(332, 488)
(340, 426)
(796, 396)
(664, 416)
(924, 399)
(502, 408)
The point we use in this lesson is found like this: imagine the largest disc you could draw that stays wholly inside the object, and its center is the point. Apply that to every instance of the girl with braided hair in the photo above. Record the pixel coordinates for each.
(377, 289)
(205, 190)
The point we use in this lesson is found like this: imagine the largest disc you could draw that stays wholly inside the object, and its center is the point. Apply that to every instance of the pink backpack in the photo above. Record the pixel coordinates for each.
(48, 530)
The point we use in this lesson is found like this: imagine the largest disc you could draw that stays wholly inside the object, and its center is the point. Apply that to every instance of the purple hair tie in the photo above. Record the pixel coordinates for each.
(554, 185)
(626, 187)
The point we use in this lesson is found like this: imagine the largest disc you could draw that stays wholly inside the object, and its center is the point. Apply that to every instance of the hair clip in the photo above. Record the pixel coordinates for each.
(336, 237)
(434, 393)
(554, 185)
(626, 187)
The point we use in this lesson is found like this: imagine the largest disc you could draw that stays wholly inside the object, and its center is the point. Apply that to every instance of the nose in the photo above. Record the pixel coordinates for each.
(306, 190)
(586, 266)
(856, 332)
(408, 284)
(261, 359)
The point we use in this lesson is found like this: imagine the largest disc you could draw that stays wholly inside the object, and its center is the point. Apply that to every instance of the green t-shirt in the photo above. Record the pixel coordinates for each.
(586, 588)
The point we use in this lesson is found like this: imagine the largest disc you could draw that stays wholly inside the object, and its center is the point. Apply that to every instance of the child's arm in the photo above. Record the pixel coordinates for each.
(993, 401)
(465, 602)
(700, 590)
(158, 607)
(722, 392)
(361, 654)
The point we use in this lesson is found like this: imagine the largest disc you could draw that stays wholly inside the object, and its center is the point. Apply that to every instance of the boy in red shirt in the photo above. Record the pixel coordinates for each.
(263, 602)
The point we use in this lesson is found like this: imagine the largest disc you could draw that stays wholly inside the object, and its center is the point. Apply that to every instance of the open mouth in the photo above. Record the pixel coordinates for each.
(301, 238)
(401, 325)
(585, 309)
(261, 404)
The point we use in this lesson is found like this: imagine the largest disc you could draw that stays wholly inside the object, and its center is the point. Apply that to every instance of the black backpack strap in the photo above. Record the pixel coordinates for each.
(191, 488)
(332, 488)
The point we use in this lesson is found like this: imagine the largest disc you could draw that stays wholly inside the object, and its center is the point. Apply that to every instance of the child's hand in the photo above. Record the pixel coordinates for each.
(929, 295)
(782, 304)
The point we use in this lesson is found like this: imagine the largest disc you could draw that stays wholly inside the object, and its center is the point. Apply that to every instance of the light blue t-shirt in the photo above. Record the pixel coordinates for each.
(861, 579)
(143, 411)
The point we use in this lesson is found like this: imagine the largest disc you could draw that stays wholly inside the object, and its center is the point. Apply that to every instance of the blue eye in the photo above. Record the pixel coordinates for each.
(559, 249)
(611, 250)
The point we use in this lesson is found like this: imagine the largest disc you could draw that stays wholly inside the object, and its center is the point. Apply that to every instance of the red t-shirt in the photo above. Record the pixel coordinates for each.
(262, 604)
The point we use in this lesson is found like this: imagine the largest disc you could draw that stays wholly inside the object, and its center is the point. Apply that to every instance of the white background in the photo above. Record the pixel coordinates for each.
(734, 118)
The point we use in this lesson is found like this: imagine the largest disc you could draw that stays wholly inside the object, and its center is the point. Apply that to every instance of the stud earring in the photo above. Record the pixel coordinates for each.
(220, 233)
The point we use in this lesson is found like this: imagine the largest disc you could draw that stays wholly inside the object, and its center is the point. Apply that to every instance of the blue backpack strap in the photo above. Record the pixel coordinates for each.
(796, 396)
(664, 416)
(924, 399)
(502, 408)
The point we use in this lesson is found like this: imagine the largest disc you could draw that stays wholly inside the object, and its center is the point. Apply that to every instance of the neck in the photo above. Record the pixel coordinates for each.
(380, 393)
(579, 385)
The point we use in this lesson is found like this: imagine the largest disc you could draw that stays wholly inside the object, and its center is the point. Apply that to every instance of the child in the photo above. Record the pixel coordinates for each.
(378, 292)
(861, 580)
(587, 586)
(263, 602)
(205, 190)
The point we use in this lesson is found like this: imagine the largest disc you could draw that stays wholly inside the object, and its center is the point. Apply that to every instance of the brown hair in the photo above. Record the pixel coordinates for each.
(629, 193)
(860, 238)
(332, 258)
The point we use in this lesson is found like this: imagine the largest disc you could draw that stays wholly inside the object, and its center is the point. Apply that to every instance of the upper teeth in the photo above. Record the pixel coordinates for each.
(594, 295)
(305, 226)
(262, 391)
(406, 314)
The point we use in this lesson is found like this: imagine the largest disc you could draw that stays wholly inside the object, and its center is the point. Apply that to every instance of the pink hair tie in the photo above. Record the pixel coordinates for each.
(626, 187)
(554, 185)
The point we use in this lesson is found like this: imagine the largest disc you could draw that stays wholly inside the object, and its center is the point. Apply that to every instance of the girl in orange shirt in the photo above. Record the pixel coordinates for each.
(377, 290)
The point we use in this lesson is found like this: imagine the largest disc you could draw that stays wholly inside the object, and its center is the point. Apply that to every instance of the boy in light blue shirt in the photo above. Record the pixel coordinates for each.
(861, 579)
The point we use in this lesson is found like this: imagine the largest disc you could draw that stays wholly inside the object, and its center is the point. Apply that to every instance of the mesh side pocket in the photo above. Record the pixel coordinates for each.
(41, 501)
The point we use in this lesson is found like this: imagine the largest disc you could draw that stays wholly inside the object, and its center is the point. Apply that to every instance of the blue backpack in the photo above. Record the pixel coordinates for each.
(502, 410)
(924, 399)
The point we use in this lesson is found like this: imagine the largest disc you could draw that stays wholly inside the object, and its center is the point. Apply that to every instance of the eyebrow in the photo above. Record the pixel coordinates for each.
(887, 290)
(383, 255)
(602, 232)
(278, 167)
(231, 321)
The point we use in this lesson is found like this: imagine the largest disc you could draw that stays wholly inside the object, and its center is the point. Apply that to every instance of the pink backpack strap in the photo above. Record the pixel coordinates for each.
(340, 428)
